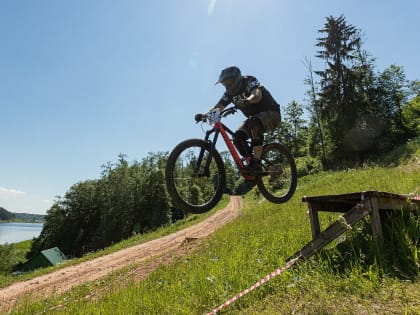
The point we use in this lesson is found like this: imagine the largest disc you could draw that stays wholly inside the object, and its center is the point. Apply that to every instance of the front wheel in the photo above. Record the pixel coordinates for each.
(279, 178)
(195, 176)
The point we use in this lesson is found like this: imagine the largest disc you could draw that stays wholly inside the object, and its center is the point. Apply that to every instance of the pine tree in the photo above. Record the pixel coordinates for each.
(338, 105)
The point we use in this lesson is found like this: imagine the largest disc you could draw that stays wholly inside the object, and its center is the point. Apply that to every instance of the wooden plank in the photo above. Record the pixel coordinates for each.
(397, 204)
(344, 202)
(375, 221)
(345, 197)
(314, 219)
(333, 231)
(332, 206)
(355, 207)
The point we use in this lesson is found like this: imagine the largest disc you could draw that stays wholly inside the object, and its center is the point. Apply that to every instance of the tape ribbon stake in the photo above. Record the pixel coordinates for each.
(270, 276)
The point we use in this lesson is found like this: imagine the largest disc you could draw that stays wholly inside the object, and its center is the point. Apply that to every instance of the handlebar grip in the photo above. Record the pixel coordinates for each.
(198, 117)
(229, 111)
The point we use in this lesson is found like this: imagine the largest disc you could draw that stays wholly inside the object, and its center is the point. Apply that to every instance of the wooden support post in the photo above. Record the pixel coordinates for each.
(355, 207)
(313, 218)
(348, 219)
(375, 221)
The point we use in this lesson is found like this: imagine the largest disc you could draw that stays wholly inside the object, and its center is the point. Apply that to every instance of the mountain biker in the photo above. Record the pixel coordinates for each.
(259, 107)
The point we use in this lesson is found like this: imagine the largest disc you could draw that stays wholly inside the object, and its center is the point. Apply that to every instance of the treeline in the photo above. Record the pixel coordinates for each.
(355, 111)
(6, 215)
(22, 217)
(29, 217)
(93, 214)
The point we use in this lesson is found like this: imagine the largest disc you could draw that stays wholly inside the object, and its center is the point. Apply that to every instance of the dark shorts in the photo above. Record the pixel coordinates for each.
(269, 119)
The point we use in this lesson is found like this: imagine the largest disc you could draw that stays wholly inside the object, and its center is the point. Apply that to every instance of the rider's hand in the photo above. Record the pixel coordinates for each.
(198, 117)
(242, 102)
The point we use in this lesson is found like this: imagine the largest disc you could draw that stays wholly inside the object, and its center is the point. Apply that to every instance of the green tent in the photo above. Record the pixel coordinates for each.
(45, 258)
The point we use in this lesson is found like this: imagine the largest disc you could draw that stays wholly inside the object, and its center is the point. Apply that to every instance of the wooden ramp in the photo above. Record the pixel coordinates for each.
(355, 207)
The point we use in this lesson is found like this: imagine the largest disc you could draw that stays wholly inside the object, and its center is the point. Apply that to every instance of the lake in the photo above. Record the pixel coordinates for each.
(13, 232)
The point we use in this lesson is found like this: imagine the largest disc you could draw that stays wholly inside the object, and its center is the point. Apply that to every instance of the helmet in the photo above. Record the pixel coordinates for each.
(231, 78)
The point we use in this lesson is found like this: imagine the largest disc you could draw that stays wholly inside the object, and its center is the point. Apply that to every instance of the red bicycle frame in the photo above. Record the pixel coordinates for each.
(229, 144)
(221, 128)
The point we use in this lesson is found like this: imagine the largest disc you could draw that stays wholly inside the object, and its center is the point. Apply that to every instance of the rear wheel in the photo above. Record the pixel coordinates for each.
(279, 179)
(195, 176)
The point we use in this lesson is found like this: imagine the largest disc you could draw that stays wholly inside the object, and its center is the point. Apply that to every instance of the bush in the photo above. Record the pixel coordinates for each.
(10, 256)
(403, 153)
(411, 115)
(307, 165)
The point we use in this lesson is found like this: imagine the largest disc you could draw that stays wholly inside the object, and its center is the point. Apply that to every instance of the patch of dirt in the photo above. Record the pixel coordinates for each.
(148, 256)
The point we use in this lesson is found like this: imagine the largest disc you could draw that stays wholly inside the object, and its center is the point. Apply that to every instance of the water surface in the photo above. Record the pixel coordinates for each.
(13, 232)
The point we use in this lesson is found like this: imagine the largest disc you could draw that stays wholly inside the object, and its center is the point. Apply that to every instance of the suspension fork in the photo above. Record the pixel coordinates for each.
(212, 145)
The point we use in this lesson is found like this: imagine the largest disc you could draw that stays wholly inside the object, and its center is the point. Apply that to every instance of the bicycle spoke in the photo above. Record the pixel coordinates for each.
(278, 180)
(194, 177)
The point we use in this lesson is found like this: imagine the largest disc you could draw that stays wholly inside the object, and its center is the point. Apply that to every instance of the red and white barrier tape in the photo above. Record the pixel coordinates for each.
(414, 197)
(275, 273)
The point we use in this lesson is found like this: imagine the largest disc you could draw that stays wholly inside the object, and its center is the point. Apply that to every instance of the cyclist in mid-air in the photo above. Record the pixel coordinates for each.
(257, 104)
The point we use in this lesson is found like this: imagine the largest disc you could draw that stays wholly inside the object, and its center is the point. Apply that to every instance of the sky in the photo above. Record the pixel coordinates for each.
(83, 81)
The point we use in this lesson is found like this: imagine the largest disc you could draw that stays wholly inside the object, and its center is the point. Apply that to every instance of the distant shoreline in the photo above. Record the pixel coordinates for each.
(23, 221)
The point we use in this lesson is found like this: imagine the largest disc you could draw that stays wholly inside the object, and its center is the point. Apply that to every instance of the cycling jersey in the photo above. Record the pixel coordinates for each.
(249, 83)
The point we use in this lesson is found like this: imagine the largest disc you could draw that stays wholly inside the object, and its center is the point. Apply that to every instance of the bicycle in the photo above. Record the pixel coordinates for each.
(195, 172)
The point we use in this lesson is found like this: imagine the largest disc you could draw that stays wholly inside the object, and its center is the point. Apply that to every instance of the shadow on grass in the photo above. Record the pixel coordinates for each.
(399, 257)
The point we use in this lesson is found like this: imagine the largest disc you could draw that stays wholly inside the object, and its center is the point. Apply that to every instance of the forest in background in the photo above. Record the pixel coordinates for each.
(6, 215)
(356, 114)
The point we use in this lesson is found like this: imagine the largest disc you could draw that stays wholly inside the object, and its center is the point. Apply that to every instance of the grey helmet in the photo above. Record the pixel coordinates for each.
(231, 78)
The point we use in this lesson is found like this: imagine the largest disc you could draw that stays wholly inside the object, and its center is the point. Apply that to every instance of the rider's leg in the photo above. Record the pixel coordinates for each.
(257, 151)
(260, 123)
(251, 128)
(240, 138)
(257, 132)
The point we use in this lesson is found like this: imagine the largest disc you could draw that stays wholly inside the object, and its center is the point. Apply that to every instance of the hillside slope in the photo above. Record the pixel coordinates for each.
(347, 277)
(165, 249)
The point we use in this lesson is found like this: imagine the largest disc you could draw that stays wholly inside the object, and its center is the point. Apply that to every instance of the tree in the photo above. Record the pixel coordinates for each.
(315, 135)
(392, 86)
(96, 213)
(338, 111)
(232, 173)
(294, 113)
(6, 215)
(9, 257)
(414, 88)
(411, 116)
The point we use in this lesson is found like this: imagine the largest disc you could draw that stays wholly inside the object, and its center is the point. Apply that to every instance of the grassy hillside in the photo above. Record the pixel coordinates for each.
(349, 278)
(8, 279)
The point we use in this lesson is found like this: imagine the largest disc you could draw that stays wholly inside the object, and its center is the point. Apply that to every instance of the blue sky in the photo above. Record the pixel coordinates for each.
(82, 81)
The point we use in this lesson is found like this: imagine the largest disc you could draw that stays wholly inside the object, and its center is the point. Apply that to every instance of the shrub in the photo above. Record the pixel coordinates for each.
(307, 165)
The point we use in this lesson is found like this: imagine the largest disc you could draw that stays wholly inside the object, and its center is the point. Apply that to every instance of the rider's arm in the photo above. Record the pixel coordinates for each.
(255, 96)
(219, 106)
(224, 101)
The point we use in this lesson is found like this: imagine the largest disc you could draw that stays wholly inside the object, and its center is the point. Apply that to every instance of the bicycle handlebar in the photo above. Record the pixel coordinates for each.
(226, 112)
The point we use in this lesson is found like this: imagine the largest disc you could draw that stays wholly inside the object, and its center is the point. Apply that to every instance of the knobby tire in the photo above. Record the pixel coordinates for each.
(179, 200)
(291, 176)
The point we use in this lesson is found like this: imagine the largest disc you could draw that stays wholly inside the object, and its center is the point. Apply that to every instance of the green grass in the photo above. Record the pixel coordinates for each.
(255, 244)
(7, 279)
(23, 246)
(348, 277)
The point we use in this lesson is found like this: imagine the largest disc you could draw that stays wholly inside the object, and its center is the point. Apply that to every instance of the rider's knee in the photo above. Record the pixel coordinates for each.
(258, 141)
(255, 122)
(240, 135)
(257, 129)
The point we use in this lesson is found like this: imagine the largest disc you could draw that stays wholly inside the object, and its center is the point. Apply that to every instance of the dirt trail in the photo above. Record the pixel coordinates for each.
(164, 249)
